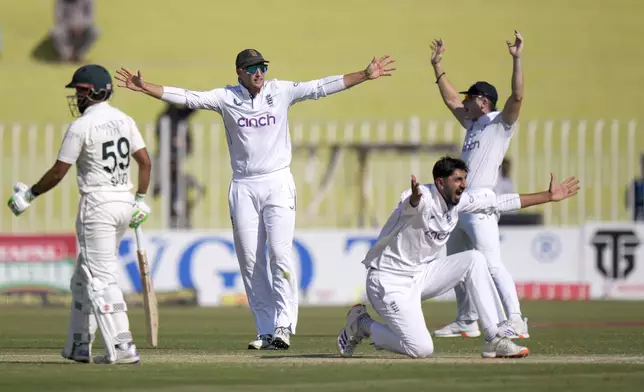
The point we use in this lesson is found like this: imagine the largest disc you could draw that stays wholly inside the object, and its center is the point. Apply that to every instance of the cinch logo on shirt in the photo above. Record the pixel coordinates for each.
(437, 235)
(263, 121)
(471, 145)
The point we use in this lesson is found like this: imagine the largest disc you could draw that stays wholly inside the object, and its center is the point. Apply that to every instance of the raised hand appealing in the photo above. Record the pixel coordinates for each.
(380, 67)
(130, 80)
(414, 199)
(562, 191)
(438, 48)
(516, 47)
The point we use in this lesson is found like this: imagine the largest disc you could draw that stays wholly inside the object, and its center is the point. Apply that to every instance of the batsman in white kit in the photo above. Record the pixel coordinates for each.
(262, 194)
(489, 132)
(102, 142)
(405, 267)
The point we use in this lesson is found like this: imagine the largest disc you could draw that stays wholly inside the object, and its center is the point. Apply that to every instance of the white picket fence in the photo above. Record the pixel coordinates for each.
(349, 173)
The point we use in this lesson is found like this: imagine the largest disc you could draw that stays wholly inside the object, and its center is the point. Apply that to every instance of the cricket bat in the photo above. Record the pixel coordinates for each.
(149, 296)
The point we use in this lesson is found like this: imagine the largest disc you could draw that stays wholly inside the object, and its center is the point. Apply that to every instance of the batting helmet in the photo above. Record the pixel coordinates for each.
(93, 84)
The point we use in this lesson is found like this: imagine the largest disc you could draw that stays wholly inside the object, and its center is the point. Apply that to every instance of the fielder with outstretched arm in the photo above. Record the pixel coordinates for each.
(404, 266)
(262, 195)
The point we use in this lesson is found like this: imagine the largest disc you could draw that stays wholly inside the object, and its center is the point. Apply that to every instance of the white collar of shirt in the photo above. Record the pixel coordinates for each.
(438, 198)
(486, 118)
(95, 107)
(246, 94)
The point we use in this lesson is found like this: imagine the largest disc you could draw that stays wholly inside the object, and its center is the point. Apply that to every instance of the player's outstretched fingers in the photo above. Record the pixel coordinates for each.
(123, 72)
(122, 75)
(573, 185)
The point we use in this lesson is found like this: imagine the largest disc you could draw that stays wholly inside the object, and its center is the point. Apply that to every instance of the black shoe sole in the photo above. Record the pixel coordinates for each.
(280, 344)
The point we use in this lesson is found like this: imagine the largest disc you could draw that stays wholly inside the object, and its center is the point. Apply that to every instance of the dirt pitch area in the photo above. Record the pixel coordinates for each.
(165, 357)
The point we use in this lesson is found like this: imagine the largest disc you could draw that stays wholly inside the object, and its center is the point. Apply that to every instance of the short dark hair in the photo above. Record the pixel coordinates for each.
(446, 166)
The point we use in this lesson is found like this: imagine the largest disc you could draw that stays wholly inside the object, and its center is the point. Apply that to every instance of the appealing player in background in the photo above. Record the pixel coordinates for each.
(101, 142)
(262, 195)
(404, 266)
(488, 136)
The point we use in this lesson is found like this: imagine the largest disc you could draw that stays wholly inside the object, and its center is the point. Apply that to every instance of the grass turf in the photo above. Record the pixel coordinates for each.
(576, 346)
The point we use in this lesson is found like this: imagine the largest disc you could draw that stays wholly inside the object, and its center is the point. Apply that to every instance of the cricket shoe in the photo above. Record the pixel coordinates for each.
(503, 347)
(281, 338)
(263, 342)
(466, 329)
(81, 352)
(521, 328)
(351, 335)
(514, 329)
(124, 356)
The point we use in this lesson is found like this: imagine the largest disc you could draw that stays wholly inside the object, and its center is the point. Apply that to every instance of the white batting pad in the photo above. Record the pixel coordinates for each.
(110, 310)
(82, 323)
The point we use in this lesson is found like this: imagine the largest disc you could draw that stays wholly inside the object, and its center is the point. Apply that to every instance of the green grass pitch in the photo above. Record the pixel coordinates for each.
(576, 346)
(582, 61)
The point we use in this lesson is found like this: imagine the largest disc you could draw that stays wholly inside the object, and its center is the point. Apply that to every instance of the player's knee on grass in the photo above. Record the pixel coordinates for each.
(421, 348)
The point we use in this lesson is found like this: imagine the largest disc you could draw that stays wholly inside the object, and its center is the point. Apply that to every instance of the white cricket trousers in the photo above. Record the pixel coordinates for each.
(481, 232)
(397, 299)
(102, 220)
(262, 211)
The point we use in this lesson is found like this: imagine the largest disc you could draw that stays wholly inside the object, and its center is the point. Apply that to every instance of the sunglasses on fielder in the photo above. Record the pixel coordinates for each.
(471, 97)
(254, 68)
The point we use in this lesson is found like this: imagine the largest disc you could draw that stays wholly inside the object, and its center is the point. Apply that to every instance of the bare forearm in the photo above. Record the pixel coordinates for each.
(354, 78)
(144, 178)
(533, 199)
(153, 90)
(52, 178)
(517, 79)
(448, 92)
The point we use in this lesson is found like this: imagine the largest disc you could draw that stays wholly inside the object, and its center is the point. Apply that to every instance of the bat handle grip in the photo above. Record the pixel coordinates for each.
(138, 233)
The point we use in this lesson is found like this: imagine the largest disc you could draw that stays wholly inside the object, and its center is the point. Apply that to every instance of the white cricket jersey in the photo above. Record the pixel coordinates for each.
(414, 236)
(486, 142)
(257, 129)
(101, 143)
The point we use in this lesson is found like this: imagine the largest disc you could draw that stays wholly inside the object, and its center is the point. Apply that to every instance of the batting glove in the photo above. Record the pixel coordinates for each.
(141, 212)
(21, 198)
